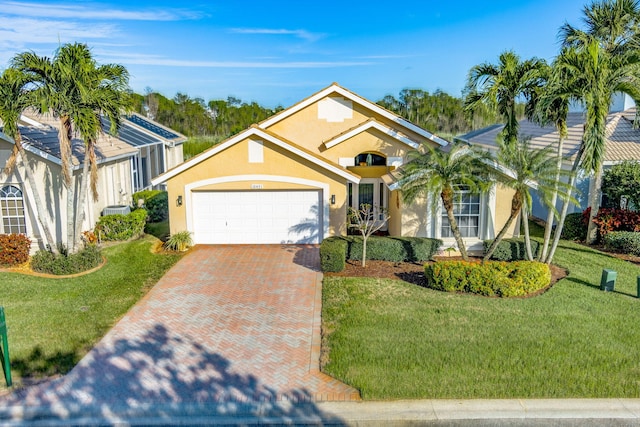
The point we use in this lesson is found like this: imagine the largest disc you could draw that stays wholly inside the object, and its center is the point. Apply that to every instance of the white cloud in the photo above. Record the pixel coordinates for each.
(92, 11)
(136, 59)
(303, 34)
(24, 31)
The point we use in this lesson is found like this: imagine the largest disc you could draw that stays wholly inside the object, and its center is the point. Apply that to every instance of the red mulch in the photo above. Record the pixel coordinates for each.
(409, 271)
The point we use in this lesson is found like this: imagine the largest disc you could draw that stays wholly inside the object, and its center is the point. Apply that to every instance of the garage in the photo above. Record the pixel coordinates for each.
(257, 217)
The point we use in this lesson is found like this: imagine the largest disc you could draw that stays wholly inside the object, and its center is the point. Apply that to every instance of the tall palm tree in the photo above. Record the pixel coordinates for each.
(600, 60)
(527, 167)
(437, 173)
(77, 91)
(502, 85)
(13, 101)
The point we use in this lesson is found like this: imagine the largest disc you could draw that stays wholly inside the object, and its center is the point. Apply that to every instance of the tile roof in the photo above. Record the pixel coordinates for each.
(623, 140)
(40, 133)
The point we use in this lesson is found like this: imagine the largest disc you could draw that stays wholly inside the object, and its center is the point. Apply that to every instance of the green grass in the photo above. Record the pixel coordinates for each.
(52, 323)
(391, 339)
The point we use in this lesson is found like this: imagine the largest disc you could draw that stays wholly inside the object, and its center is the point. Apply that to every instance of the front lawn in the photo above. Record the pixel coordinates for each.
(394, 340)
(52, 323)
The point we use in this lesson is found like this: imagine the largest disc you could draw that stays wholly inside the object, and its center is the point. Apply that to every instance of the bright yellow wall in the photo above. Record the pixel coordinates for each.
(503, 210)
(234, 161)
(370, 141)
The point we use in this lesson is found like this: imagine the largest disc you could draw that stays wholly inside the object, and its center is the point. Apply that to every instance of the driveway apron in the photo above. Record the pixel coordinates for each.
(225, 324)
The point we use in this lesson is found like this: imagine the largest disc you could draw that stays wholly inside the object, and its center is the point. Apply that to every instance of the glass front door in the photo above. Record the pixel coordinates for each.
(370, 191)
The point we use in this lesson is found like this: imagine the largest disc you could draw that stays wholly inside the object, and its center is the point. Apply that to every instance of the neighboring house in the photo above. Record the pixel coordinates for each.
(623, 143)
(291, 178)
(126, 164)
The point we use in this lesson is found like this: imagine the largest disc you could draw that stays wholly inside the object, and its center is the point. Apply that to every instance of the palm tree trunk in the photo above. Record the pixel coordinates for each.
(527, 237)
(82, 197)
(67, 175)
(516, 206)
(594, 204)
(447, 202)
(37, 200)
(551, 214)
(565, 207)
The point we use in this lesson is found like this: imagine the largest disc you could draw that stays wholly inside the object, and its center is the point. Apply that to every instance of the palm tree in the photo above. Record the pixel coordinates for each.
(502, 85)
(13, 101)
(599, 61)
(76, 90)
(527, 168)
(437, 173)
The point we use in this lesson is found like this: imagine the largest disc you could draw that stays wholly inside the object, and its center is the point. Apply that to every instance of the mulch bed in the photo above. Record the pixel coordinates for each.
(410, 271)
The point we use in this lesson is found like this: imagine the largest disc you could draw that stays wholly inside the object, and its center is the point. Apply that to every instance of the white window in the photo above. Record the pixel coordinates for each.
(466, 209)
(12, 210)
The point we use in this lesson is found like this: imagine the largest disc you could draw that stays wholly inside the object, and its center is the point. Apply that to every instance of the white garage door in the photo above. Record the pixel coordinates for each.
(256, 217)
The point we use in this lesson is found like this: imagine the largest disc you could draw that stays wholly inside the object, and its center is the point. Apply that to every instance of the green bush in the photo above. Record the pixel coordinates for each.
(396, 249)
(64, 264)
(121, 227)
(14, 249)
(574, 227)
(627, 242)
(501, 279)
(333, 253)
(511, 249)
(156, 204)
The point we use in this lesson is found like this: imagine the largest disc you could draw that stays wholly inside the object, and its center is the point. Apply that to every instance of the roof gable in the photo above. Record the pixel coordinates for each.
(337, 89)
(370, 124)
(267, 136)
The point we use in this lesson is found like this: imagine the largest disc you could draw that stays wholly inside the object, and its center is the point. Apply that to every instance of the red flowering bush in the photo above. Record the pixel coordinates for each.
(14, 249)
(609, 220)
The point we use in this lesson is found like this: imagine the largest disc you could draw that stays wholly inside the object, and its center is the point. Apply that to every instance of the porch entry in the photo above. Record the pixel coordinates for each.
(371, 191)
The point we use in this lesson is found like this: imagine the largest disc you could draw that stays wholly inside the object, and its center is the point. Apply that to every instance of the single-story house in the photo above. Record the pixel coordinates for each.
(291, 178)
(623, 143)
(126, 163)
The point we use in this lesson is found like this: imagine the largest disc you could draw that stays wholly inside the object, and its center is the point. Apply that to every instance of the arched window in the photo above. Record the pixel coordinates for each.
(12, 210)
(370, 159)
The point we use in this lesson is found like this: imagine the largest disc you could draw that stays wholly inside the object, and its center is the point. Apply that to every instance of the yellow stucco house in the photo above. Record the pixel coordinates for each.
(291, 178)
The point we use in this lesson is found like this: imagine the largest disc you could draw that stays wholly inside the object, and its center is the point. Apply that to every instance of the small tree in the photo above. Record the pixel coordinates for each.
(368, 219)
(622, 181)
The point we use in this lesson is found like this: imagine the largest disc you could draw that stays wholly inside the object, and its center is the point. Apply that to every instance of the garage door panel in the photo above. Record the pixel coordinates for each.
(263, 217)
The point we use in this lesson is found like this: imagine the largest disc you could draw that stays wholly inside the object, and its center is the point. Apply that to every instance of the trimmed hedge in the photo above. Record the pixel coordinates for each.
(156, 203)
(64, 264)
(627, 242)
(14, 249)
(121, 227)
(511, 249)
(333, 254)
(396, 249)
(494, 278)
(574, 227)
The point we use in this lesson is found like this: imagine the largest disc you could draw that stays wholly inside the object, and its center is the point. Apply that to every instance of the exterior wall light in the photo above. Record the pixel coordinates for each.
(333, 199)
(179, 201)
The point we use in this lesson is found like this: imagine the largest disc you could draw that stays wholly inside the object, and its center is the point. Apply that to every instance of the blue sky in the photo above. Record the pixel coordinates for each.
(278, 52)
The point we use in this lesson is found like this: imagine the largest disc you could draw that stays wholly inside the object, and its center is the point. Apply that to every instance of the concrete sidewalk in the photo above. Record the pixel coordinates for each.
(518, 412)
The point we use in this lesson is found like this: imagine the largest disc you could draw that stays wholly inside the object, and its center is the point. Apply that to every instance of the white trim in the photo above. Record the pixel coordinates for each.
(253, 131)
(366, 126)
(347, 161)
(335, 88)
(324, 187)
(31, 122)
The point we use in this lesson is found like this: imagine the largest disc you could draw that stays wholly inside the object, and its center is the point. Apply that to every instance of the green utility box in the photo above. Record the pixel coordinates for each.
(4, 351)
(638, 287)
(608, 280)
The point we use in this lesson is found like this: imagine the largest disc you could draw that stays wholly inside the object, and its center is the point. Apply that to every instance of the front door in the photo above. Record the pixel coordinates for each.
(370, 191)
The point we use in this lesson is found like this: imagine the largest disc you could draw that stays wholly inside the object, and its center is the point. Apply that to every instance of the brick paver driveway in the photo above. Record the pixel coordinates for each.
(226, 324)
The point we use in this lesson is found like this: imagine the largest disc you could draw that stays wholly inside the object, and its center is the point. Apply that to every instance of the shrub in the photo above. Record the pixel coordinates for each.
(335, 250)
(501, 279)
(333, 253)
(156, 203)
(512, 249)
(121, 227)
(14, 249)
(609, 220)
(180, 241)
(396, 249)
(626, 242)
(575, 227)
(64, 264)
